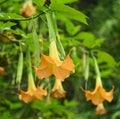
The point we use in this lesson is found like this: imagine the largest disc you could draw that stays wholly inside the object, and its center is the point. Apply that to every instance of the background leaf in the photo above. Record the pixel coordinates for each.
(69, 12)
(106, 57)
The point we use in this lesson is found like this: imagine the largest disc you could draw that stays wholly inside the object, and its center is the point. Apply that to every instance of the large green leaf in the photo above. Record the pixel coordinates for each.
(68, 12)
(106, 57)
(85, 36)
(71, 28)
(88, 39)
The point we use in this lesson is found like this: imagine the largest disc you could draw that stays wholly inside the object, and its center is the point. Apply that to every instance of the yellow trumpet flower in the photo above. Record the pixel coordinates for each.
(58, 91)
(99, 94)
(100, 110)
(33, 93)
(53, 65)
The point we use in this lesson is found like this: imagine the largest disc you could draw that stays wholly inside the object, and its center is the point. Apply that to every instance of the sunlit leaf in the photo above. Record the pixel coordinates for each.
(88, 39)
(69, 12)
(39, 3)
(85, 36)
(63, 1)
(6, 16)
(71, 28)
(106, 57)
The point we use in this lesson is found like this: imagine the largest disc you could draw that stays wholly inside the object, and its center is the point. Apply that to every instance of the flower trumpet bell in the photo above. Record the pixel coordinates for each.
(100, 110)
(33, 93)
(58, 91)
(99, 95)
(53, 65)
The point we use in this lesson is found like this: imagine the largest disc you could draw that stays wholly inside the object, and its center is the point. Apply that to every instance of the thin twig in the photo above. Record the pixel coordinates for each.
(24, 19)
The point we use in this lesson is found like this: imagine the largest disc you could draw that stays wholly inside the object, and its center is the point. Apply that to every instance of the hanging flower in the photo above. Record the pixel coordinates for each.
(28, 9)
(100, 110)
(53, 65)
(2, 71)
(99, 94)
(33, 93)
(58, 91)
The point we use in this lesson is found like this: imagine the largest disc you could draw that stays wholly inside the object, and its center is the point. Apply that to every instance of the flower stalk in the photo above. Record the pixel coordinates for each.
(53, 33)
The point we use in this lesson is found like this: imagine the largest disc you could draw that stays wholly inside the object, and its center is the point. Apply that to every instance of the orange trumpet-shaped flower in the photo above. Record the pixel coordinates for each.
(100, 110)
(99, 94)
(53, 65)
(32, 93)
(28, 9)
(58, 91)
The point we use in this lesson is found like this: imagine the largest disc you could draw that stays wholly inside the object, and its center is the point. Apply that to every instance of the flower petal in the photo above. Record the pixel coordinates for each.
(63, 71)
(98, 95)
(109, 95)
(39, 93)
(25, 96)
(48, 66)
(68, 64)
(58, 94)
(45, 68)
(100, 110)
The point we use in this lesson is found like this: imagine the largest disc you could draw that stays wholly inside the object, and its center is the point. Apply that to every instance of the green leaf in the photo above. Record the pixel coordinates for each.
(116, 115)
(70, 103)
(6, 16)
(6, 26)
(18, 32)
(39, 3)
(6, 115)
(71, 28)
(106, 57)
(63, 1)
(85, 36)
(106, 73)
(12, 105)
(98, 42)
(69, 12)
(88, 39)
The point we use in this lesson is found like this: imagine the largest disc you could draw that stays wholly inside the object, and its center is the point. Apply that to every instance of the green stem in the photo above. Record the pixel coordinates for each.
(96, 66)
(51, 26)
(98, 78)
(86, 73)
(36, 45)
(53, 33)
(28, 59)
(19, 67)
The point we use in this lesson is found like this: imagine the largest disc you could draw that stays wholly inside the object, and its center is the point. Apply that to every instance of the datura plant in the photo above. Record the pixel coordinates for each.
(50, 62)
